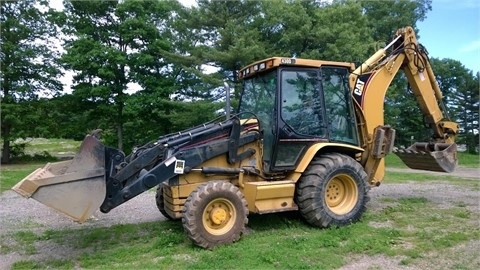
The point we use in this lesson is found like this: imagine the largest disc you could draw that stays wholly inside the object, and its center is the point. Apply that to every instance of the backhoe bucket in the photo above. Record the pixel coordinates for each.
(439, 157)
(76, 187)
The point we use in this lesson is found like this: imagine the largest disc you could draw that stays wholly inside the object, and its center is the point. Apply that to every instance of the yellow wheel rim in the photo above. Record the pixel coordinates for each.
(341, 194)
(219, 216)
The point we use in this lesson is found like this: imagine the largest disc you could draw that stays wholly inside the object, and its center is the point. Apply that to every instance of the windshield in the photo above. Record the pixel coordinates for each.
(258, 98)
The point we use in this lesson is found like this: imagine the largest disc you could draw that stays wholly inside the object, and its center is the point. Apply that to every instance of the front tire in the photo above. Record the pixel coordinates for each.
(160, 202)
(333, 191)
(215, 214)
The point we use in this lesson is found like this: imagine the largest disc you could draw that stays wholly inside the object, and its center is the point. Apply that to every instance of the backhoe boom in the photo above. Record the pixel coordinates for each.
(369, 84)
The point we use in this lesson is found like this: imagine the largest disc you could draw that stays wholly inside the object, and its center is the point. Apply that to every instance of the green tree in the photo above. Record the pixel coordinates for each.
(28, 66)
(98, 55)
(146, 110)
(228, 36)
(385, 17)
(69, 116)
(113, 45)
(175, 94)
(312, 29)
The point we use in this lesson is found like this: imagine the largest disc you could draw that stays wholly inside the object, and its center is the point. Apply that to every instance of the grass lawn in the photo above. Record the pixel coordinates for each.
(52, 146)
(12, 174)
(409, 228)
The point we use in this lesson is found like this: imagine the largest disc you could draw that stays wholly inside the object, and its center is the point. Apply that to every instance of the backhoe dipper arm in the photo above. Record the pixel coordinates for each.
(369, 84)
(425, 87)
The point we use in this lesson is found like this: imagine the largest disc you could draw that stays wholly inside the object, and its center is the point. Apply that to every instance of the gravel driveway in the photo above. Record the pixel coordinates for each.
(15, 210)
(18, 213)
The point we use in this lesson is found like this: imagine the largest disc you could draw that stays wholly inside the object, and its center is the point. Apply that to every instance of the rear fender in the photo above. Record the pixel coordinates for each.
(319, 147)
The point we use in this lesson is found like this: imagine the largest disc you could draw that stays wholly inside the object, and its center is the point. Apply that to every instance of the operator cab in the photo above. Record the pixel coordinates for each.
(298, 103)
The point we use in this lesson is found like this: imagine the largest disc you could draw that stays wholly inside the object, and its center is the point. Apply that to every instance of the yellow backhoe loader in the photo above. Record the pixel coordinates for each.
(308, 136)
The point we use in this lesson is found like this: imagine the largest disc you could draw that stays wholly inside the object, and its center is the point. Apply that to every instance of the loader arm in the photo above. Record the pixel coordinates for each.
(369, 84)
(179, 156)
(103, 177)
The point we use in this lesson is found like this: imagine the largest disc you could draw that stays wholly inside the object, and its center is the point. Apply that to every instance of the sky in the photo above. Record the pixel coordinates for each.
(452, 30)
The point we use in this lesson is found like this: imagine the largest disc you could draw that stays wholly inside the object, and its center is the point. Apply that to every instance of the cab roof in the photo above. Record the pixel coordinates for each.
(273, 62)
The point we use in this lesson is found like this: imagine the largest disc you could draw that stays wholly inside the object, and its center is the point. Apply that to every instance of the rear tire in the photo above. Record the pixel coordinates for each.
(333, 191)
(215, 214)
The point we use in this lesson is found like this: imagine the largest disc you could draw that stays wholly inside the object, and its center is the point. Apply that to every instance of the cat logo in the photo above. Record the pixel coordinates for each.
(359, 88)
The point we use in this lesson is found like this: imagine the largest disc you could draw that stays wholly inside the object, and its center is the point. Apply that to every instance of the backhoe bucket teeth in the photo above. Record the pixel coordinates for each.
(75, 188)
(439, 157)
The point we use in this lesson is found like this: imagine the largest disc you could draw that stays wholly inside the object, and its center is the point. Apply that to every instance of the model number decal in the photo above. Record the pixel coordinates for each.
(287, 61)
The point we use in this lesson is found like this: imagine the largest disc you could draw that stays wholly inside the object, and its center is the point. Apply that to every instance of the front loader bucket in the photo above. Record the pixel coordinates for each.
(439, 157)
(75, 188)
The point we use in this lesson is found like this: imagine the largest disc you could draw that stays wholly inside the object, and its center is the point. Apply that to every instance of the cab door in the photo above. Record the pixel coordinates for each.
(301, 120)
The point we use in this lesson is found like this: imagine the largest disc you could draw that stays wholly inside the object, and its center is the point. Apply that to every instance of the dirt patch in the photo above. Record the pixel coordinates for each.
(20, 214)
(444, 195)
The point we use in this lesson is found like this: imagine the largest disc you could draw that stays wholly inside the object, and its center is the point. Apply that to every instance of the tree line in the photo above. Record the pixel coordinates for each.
(178, 57)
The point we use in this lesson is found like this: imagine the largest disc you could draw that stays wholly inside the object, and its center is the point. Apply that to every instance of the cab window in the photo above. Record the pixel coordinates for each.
(301, 102)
